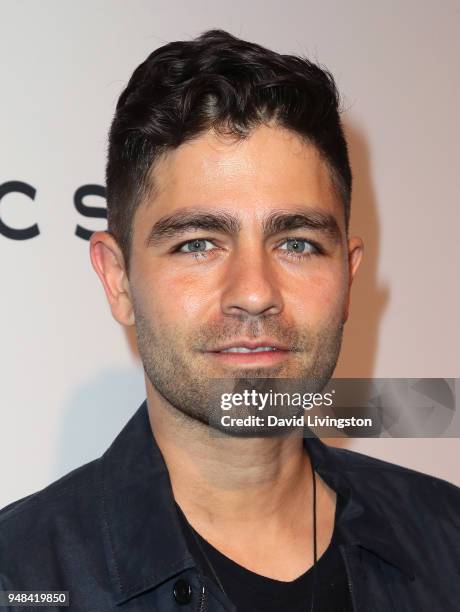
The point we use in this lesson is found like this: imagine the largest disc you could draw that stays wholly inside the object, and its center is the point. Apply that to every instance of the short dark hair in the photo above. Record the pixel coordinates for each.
(216, 81)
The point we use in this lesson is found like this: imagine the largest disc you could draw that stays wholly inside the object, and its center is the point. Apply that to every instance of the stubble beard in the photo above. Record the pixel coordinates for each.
(188, 387)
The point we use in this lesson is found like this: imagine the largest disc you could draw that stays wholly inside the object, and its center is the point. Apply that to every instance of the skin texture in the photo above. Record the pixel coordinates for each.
(247, 283)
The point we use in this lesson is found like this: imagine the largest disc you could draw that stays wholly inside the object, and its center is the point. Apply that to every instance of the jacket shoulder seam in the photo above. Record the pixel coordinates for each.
(42, 497)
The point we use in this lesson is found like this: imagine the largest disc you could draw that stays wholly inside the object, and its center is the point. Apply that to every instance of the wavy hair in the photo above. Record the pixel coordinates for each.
(216, 81)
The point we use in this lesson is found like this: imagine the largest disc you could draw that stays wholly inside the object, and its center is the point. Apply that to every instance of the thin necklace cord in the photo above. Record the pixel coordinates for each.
(315, 548)
(205, 556)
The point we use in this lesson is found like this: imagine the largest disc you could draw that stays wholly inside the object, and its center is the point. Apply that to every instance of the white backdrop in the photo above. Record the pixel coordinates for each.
(69, 380)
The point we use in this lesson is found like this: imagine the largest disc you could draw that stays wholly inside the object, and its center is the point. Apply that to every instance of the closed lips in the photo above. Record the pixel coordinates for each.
(243, 349)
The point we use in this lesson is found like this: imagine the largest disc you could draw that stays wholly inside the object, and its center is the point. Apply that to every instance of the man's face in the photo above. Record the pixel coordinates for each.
(242, 248)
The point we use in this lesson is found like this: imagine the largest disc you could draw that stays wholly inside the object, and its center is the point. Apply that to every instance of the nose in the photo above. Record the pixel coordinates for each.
(251, 288)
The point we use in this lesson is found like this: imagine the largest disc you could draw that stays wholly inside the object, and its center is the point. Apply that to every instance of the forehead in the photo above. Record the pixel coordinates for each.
(271, 167)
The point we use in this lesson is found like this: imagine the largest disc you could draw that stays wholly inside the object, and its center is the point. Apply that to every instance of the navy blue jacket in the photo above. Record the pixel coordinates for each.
(108, 533)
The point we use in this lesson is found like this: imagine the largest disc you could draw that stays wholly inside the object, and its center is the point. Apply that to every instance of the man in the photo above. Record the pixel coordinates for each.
(228, 192)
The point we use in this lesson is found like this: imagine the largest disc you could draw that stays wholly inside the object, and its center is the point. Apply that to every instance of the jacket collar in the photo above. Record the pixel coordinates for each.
(362, 520)
(143, 541)
(142, 535)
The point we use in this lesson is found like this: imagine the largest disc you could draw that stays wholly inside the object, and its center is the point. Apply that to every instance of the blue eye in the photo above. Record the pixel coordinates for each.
(194, 246)
(298, 245)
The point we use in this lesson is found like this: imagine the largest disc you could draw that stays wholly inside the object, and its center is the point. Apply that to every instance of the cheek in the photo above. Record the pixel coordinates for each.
(319, 296)
(175, 299)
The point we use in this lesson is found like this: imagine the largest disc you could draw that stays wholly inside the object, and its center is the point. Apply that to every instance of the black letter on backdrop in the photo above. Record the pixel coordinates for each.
(88, 211)
(27, 190)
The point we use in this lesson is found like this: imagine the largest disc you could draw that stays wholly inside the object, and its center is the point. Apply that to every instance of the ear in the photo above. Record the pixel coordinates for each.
(108, 262)
(355, 253)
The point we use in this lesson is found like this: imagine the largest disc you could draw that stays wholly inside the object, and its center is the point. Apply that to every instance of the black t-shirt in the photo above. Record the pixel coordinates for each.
(251, 592)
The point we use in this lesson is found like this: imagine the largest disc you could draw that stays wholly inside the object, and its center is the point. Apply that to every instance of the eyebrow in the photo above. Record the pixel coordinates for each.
(277, 221)
(307, 218)
(183, 221)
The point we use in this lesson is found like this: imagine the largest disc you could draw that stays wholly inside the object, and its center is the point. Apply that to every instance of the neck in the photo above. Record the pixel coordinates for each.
(227, 478)
(249, 497)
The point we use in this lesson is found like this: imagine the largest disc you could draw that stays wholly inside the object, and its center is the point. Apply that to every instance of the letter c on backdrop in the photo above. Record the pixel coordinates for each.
(27, 190)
